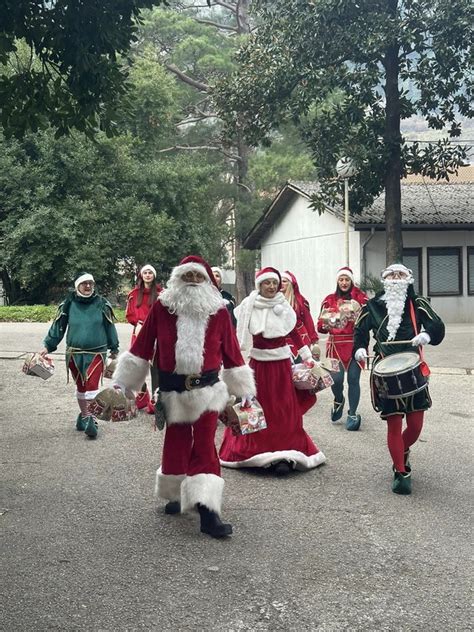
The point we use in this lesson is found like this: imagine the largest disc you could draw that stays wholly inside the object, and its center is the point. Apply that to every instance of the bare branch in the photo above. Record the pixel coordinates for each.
(224, 27)
(196, 119)
(201, 148)
(203, 87)
(226, 5)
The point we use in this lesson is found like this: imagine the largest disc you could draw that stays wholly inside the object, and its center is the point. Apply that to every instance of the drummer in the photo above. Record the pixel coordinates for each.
(396, 316)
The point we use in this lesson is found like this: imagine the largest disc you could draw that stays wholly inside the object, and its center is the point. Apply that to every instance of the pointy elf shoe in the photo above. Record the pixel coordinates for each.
(142, 399)
(81, 423)
(337, 410)
(212, 524)
(401, 483)
(173, 507)
(353, 422)
(92, 427)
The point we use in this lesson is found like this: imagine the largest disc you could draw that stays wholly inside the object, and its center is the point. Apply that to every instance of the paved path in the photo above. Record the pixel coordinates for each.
(86, 548)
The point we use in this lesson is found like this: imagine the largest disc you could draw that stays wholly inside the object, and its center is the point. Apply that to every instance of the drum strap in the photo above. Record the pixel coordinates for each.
(424, 368)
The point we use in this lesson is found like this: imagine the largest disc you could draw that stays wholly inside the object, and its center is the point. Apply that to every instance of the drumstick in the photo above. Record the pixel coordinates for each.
(396, 342)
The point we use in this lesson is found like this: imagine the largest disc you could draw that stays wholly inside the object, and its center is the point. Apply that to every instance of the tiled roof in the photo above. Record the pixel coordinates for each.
(421, 204)
(424, 204)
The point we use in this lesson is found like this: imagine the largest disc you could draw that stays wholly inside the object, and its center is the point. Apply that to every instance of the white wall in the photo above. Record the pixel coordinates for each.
(452, 309)
(312, 247)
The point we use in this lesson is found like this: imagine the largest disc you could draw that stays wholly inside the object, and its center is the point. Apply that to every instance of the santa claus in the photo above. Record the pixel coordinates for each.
(200, 366)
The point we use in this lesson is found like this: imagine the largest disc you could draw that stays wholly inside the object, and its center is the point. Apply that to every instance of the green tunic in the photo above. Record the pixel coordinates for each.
(89, 327)
(373, 317)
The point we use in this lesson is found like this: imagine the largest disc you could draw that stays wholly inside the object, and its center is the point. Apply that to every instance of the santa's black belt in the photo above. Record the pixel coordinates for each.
(180, 383)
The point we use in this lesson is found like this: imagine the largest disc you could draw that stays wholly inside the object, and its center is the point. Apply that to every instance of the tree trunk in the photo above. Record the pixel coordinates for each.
(244, 278)
(392, 137)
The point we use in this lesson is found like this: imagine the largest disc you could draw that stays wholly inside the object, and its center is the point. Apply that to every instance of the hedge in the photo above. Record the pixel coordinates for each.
(39, 313)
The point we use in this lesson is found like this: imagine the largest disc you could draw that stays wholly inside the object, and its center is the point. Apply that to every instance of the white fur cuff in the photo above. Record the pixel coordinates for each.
(168, 486)
(131, 371)
(240, 381)
(205, 489)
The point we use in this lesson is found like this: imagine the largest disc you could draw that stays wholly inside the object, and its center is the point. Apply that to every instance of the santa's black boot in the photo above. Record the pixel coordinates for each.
(173, 507)
(212, 524)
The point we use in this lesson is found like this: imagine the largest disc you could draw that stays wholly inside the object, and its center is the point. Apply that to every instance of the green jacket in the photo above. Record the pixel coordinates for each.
(88, 324)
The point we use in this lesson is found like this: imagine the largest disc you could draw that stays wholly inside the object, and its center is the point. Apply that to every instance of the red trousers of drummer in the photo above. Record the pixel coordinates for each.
(399, 442)
(190, 448)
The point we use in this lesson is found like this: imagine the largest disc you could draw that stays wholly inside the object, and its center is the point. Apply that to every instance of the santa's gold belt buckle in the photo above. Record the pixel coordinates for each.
(192, 381)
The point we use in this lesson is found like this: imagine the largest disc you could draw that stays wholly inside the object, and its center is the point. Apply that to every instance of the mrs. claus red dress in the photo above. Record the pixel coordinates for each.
(285, 438)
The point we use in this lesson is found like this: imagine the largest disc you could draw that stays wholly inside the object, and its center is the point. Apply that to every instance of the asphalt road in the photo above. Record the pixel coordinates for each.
(86, 547)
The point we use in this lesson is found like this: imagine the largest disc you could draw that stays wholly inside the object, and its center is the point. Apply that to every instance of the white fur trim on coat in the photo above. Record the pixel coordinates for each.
(131, 371)
(240, 381)
(205, 489)
(168, 486)
(188, 406)
(298, 460)
(267, 355)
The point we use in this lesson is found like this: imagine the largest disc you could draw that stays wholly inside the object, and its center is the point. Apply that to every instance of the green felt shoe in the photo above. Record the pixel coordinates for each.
(337, 410)
(353, 422)
(81, 423)
(401, 483)
(92, 427)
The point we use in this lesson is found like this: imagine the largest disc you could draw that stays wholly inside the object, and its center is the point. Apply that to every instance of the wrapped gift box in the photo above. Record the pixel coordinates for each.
(39, 366)
(244, 421)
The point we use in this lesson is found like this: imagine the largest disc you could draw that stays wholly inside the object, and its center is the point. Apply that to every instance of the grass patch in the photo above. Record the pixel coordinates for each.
(39, 313)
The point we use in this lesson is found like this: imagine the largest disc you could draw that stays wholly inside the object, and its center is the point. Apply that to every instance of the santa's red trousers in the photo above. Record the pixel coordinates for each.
(190, 448)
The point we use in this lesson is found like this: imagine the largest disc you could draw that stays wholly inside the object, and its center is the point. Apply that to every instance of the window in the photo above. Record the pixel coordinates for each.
(444, 272)
(470, 270)
(412, 260)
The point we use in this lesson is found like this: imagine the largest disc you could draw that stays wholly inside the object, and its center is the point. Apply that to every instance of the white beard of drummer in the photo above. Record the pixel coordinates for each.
(395, 297)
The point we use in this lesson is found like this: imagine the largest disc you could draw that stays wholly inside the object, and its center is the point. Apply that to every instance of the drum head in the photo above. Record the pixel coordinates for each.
(397, 363)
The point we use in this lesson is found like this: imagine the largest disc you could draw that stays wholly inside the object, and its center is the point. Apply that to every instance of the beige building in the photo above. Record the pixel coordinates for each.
(438, 240)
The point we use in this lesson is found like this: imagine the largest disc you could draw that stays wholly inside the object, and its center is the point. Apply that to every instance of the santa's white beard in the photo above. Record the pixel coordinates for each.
(395, 297)
(199, 299)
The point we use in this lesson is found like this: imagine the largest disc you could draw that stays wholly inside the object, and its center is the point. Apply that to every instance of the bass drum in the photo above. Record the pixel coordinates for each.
(399, 375)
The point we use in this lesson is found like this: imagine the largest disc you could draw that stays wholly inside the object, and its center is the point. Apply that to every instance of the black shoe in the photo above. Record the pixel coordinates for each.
(173, 507)
(282, 468)
(212, 524)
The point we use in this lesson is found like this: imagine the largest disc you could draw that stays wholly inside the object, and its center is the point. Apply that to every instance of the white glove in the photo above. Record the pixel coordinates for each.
(421, 339)
(360, 355)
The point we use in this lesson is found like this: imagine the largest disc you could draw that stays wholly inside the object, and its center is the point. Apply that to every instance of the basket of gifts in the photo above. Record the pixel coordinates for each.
(349, 310)
(244, 420)
(112, 405)
(315, 378)
(333, 318)
(110, 367)
(38, 365)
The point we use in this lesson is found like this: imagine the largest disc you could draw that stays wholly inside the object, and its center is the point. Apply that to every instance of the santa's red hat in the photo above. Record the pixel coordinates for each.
(193, 262)
(345, 271)
(267, 273)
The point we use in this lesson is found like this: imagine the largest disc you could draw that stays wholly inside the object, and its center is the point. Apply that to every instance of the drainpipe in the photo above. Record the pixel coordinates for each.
(364, 258)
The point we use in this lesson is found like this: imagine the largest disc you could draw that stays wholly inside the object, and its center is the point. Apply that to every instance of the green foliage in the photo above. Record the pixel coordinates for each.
(71, 76)
(324, 65)
(40, 314)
